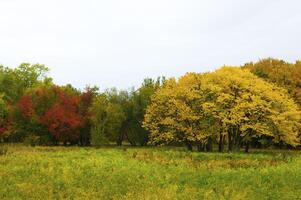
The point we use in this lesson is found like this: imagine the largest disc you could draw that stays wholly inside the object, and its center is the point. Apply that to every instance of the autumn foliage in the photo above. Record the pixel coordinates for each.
(230, 105)
(63, 119)
(256, 105)
(58, 113)
(25, 106)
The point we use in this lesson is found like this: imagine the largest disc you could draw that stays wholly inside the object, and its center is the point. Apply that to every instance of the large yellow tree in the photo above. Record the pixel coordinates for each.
(230, 105)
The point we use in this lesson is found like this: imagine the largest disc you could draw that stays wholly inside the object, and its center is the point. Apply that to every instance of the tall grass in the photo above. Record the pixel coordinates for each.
(147, 173)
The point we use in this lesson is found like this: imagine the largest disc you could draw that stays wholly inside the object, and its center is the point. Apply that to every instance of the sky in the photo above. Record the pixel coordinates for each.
(118, 43)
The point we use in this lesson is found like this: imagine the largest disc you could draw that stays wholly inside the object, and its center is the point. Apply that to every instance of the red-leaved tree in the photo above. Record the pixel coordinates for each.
(63, 119)
(25, 105)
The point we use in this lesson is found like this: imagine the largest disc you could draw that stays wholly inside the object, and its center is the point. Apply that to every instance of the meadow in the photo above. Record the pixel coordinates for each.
(146, 173)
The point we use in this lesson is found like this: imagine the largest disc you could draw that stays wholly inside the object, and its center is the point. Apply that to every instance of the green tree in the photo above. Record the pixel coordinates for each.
(108, 118)
(86, 100)
(99, 134)
(141, 98)
(14, 82)
(4, 119)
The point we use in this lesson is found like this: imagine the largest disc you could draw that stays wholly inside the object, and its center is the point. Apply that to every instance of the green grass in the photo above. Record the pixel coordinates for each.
(147, 173)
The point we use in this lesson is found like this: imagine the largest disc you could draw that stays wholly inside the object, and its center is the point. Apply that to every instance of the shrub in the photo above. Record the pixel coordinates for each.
(32, 140)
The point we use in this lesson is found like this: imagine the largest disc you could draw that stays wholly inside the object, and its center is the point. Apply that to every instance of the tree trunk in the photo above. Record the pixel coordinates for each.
(133, 143)
(238, 139)
(235, 139)
(200, 147)
(119, 142)
(221, 143)
(120, 139)
(209, 145)
(230, 142)
(247, 147)
(189, 146)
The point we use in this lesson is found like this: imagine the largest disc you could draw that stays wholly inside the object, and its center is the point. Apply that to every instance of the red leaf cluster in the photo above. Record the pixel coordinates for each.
(5, 127)
(63, 118)
(26, 106)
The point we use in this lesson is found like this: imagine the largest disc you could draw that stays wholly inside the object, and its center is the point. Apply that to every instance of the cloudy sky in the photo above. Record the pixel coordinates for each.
(119, 42)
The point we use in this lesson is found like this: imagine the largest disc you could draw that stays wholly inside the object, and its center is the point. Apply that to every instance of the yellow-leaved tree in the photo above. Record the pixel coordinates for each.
(230, 105)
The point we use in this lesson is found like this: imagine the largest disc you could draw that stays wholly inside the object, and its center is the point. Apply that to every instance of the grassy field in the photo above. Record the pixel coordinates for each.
(147, 173)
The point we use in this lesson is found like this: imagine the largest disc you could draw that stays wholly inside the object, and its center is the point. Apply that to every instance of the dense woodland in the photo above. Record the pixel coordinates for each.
(256, 105)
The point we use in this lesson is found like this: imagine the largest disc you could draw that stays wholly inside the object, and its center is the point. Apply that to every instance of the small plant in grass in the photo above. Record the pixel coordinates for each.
(3, 150)
(32, 140)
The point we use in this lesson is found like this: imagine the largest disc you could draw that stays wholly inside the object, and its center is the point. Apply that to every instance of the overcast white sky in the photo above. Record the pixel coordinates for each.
(119, 42)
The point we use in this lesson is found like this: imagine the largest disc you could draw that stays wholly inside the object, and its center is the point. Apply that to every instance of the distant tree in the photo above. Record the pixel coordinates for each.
(86, 100)
(9, 84)
(63, 119)
(118, 115)
(30, 75)
(70, 90)
(4, 119)
(53, 114)
(115, 123)
(99, 134)
(284, 74)
(108, 119)
(14, 82)
(28, 111)
(141, 98)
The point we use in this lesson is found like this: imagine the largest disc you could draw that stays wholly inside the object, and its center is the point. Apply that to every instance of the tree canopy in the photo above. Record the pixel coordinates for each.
(230, 103)
(255, 105)
(284, 74)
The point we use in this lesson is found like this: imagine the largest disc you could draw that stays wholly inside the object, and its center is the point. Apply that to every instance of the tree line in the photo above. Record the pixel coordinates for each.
(254, 105)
